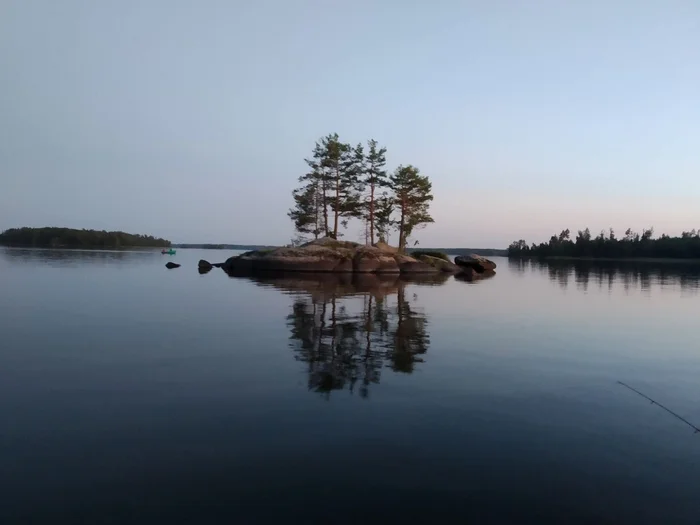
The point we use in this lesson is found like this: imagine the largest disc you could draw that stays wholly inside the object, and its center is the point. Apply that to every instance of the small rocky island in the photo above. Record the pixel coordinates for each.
(330, 255)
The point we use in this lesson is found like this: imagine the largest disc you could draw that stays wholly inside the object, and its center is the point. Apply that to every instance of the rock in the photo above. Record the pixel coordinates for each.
(477, 262)
(171, 265)
(384, 247)
(408, 264)
(329, 255)
(440, 264)
(204, 264)
(203, 271)
(372, 259)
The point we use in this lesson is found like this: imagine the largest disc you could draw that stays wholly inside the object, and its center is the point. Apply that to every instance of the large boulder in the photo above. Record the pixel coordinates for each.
(408, 264)
(372, 259)
(311, 258)
(384, 247)
(477, 262)
(439, 264)
(331, 255)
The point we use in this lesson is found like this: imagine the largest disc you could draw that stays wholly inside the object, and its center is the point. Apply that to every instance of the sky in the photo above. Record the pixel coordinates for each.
(191, 120)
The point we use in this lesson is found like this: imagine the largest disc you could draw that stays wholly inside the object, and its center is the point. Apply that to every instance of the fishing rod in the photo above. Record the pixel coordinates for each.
(696, 429)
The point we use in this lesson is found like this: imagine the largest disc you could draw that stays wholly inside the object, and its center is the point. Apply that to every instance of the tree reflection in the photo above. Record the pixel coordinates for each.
(347, 337)
(629, 275)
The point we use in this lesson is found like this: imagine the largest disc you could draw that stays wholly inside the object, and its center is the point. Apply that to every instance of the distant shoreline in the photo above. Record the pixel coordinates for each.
(58, 237)
(609, 259)
(485, 252)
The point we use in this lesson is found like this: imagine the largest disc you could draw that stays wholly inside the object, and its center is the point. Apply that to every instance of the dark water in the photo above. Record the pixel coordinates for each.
(134, 394)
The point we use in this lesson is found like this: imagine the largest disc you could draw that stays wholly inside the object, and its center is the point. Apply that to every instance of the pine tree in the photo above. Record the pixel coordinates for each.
(412, 196)
(374, 177)
(310, 212)
(305, 213)
(341, 180)
(384, 208)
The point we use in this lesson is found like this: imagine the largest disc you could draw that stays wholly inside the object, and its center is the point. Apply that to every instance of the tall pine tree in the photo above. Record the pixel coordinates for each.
(310, 212)
(384, 208)
(412, 196)
(374, 177)
(341, 179)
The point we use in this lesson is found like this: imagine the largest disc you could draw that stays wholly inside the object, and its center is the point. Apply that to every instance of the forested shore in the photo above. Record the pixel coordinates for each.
(607, 245)
(51, 237)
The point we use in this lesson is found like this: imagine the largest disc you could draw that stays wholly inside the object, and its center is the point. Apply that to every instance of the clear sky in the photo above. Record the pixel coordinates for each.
(191, 119)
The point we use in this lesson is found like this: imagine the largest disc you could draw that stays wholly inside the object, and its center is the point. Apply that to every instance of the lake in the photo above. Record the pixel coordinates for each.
(135, 394)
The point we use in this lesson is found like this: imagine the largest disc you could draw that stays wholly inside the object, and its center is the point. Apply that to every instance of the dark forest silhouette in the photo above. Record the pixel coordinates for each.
(51, 237)
(608, 245)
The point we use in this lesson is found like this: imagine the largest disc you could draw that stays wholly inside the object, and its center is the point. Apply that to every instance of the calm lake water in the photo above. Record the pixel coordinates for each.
(135, 394)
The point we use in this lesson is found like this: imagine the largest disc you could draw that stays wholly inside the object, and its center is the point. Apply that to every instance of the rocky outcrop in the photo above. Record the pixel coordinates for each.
(384, 247)
(327, 255)
(171, 265)
(440, 264)
(204, 265)
(476, 262)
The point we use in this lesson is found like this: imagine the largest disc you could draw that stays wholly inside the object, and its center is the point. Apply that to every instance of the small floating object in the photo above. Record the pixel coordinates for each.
(171, 265)
(168, 252)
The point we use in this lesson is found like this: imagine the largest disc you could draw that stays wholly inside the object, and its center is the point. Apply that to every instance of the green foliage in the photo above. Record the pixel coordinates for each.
(609, 246)
(384, 208)
(345, 183)
(71, 238)
(340, 163)
(412, 197)
(430, 253)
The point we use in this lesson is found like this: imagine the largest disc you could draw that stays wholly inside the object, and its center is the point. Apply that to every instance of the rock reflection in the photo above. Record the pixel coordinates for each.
(349, 329)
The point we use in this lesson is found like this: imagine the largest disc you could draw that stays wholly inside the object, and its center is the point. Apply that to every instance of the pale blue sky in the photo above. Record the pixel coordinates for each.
(190, 120)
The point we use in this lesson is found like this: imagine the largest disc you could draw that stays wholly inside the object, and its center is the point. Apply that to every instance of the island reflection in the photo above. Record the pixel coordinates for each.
(348, 329)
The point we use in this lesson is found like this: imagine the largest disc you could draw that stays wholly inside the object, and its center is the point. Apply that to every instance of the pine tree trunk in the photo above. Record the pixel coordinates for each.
(371, 213)
(337, 204)
(325, 208)
(402, 234)
(316, 211)
(316, 218)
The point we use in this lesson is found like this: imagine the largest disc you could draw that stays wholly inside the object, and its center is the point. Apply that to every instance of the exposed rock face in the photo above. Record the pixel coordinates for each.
(384, 247)
(171, 265)
(440, 264)
(408, 264)
(205, 265)
(327, 255)
(477, 262)
(373, 259)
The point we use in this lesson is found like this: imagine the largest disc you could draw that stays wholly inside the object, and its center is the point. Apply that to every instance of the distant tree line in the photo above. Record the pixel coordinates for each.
(71, 238)
(245, 247)
(485, 252)
(608, 245)
(348, 182)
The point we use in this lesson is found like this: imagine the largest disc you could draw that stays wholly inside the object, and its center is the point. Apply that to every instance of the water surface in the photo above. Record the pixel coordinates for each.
(135, 394)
